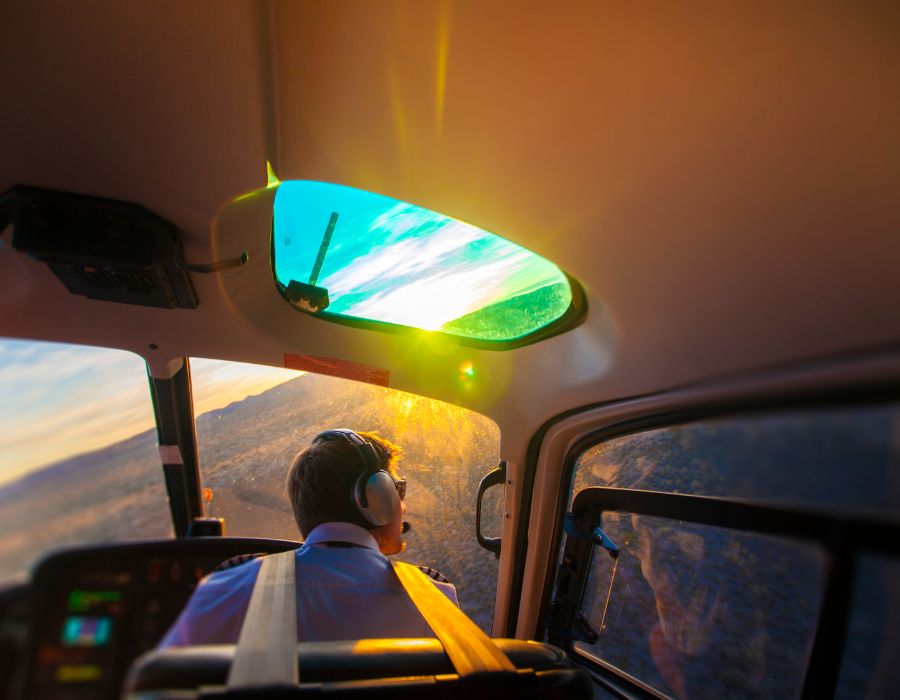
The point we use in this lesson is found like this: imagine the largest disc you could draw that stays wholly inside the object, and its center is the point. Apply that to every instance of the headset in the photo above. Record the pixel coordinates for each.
(374, 492)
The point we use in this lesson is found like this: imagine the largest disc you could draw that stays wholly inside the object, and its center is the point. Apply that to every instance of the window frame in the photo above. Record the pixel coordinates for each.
(199, 440)
(842, 537)
(571, 318)
(682, 506)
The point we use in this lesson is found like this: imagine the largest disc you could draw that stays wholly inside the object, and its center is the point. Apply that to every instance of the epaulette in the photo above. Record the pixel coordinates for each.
(237, 561)
(433, 573)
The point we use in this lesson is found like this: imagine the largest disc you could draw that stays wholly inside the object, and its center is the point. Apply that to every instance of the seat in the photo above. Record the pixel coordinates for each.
(267, 660)
(368, 668)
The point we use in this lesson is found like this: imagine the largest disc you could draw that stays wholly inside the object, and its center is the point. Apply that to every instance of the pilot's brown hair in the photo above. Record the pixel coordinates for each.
(321, 479)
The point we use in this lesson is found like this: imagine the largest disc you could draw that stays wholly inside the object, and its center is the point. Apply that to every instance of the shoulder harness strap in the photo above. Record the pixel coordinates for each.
(266, 652)
(470, 650)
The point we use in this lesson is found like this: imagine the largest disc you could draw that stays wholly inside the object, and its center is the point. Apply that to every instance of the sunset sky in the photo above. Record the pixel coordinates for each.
(57, 401)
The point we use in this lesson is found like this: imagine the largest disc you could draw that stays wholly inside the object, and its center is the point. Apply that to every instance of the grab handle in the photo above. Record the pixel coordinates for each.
(492, 478)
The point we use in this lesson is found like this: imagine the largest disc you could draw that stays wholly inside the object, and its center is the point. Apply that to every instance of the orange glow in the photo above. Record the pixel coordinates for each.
(440, 79)
(401, 128)
(376, 646)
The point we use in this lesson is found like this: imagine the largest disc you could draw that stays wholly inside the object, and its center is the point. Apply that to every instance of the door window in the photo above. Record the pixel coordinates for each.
(699, 608)
(78, 451)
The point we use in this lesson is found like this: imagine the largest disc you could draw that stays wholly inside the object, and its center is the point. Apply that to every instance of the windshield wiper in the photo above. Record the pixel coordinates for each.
(307, 296)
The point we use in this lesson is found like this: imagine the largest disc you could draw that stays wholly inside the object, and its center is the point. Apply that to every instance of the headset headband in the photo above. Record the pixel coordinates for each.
(374, 492)
(367, 455)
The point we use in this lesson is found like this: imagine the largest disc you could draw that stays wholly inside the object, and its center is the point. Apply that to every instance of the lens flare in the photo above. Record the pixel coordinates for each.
(389, 261)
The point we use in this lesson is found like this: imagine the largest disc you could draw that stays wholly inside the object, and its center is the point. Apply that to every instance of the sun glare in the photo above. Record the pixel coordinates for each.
(427, 305)
(385, 260)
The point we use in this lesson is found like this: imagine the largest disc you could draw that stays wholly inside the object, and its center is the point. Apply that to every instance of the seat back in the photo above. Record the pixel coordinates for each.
(369, 668)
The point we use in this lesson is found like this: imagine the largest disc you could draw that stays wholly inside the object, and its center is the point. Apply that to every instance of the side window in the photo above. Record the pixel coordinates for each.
(700, 609)
(248, 438)
(78, 451)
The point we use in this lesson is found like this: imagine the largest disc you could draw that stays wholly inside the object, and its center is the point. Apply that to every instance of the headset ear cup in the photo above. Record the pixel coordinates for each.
(381, 502)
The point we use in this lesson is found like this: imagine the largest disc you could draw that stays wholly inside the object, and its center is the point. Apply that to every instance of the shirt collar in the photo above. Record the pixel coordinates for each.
(341, 532)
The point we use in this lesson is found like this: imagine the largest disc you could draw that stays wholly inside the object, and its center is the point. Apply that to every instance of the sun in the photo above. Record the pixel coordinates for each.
(427, 304)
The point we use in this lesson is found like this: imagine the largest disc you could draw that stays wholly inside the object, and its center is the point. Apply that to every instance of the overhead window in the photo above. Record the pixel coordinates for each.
(361, 258)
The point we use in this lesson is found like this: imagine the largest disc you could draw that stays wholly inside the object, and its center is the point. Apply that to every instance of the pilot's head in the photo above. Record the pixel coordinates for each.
(331, 479)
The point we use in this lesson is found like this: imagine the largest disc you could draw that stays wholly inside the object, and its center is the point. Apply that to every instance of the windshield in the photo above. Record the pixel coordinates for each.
(247, 446)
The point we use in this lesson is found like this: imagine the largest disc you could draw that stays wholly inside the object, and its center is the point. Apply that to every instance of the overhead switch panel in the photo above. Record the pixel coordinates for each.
(101, 248)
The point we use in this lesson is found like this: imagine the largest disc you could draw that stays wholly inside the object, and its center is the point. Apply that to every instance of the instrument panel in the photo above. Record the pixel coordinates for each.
(95, 609)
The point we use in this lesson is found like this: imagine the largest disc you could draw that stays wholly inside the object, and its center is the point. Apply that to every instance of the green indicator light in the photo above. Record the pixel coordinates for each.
(84, 601)
(345, 253)
(78, 602)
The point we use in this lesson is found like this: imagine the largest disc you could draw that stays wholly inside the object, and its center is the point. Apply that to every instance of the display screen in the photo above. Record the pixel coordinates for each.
(86, 631)
(81, 601)
(103, 606)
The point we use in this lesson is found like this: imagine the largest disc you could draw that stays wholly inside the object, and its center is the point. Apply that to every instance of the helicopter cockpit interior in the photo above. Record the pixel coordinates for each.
(621, 281)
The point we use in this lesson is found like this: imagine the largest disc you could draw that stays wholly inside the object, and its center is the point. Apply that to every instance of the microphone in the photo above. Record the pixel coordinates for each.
(406, 527)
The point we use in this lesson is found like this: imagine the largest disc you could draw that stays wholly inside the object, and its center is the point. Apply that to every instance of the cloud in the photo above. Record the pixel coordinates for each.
(402, 259)
(397, 262)
(61, 400)
(57, 401)
(217, 383)
(451, 287)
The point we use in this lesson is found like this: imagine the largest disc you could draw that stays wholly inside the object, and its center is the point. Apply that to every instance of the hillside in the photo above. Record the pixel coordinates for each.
(245, 449)
(514, 317)
(245, 454)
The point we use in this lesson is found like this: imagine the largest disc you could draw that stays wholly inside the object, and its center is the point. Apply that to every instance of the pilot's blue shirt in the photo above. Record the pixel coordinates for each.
(343, 592)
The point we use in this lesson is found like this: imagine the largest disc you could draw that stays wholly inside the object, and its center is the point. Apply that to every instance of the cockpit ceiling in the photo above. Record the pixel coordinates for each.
(723, 182)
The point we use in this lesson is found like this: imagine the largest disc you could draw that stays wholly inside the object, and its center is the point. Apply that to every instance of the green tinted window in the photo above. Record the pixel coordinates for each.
(340, 252)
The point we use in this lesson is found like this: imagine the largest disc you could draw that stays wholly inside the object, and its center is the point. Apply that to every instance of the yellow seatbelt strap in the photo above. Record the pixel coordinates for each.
(470, 650)
(266, 652)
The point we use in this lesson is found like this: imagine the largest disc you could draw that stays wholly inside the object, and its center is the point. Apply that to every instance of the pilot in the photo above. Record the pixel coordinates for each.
(348, 503)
